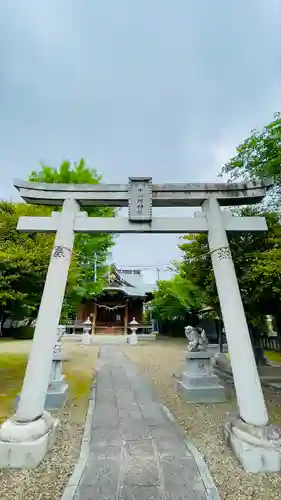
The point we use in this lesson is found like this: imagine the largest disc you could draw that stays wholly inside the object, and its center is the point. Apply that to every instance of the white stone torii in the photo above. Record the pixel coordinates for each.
(25, 437)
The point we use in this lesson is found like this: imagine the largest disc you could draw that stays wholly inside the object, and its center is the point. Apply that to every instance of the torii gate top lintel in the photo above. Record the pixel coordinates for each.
(162, 195)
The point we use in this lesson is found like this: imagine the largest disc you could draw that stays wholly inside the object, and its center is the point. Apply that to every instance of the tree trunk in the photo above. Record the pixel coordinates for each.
(219, 333)
(3, 319)
(257, 346)
(278, 328)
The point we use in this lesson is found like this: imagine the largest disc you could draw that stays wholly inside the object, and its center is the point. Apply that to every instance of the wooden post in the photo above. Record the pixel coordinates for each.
(94, 319)
(126, 320)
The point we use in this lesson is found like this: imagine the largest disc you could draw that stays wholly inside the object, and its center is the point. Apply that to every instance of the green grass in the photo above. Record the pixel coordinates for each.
(273, 356)
(12, 369)
(79, 382)
(78, 370)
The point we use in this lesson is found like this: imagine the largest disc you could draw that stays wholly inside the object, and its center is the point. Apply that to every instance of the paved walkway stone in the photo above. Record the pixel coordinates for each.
(136, 452)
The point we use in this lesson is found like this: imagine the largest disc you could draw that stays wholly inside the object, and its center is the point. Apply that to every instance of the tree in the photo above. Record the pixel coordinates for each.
(176, 301)
(91, 251)
(259, 156)
(257, 261)
(24, 260)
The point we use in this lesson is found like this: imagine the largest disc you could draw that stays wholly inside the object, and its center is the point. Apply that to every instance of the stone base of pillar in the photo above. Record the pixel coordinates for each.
(258, 449)
(198, 384)
(24, 445)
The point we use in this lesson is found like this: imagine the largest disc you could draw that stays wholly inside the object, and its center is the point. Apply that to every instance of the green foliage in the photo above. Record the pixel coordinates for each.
(21, 333)
(197, 267)
(259, 269)
(259, 157)
(24, 260)
(67, 173)
(87, 248)
(24, 257)
(257, 256)
(257, 260)
(176, 297)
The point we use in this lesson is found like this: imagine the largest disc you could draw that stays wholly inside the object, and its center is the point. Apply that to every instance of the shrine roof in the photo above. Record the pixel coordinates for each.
(129, 282)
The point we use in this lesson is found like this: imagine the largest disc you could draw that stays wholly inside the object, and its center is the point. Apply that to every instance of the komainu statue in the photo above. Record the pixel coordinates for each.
(197, 338)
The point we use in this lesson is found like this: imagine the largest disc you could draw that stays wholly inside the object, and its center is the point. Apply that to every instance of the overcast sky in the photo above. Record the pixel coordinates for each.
(165, 88)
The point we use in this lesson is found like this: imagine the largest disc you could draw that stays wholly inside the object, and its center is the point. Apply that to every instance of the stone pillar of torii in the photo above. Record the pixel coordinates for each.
(27, 436)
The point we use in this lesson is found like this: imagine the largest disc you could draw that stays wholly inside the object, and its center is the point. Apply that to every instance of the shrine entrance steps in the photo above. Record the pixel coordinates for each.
(135, 451)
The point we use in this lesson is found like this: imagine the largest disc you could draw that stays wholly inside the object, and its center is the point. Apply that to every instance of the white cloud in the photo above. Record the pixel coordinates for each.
(158, 88)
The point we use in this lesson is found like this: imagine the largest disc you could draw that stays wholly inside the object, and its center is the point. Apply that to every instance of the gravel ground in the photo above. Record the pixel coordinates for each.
(48, 481)
(203, 423)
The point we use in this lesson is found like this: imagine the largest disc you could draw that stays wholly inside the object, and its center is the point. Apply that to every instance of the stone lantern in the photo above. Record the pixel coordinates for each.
(86, 336)
(133, 338)
(57, 388)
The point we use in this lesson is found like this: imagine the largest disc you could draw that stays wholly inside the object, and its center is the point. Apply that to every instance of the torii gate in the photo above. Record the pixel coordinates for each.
(32, 430)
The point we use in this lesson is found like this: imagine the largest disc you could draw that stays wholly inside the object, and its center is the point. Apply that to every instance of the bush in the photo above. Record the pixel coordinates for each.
(21, 333)
(172, 328)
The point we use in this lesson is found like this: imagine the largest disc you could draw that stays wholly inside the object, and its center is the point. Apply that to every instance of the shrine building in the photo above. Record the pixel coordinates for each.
(121, 301)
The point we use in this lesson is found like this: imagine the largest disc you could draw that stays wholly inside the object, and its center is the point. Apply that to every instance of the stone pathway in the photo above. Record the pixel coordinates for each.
(136, 452)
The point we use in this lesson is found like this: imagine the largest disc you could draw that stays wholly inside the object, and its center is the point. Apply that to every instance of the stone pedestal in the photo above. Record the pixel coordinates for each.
(269, 374)
(215, 349)
(257, 448)
(86, 339)
(86, 335)
(133, 338)
(57, 389)
(221, 365)
(198, 384)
